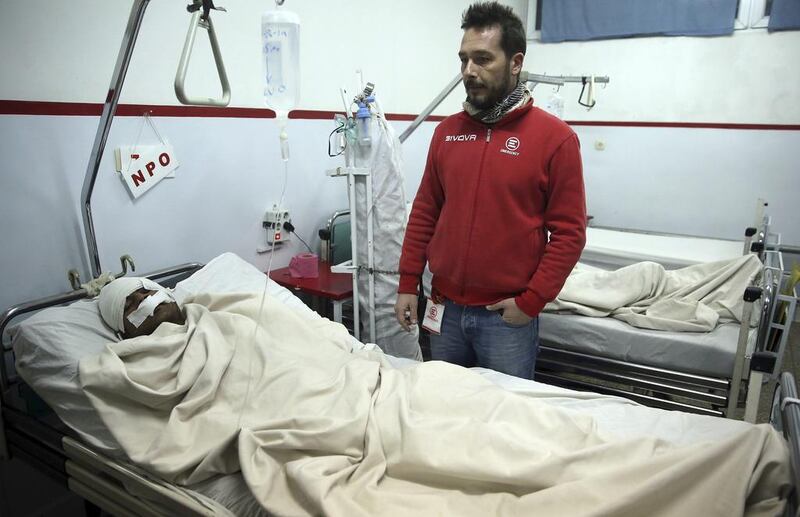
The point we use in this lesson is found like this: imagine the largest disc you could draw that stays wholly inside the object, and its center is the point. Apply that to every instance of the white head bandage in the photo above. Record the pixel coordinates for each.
(112, 299)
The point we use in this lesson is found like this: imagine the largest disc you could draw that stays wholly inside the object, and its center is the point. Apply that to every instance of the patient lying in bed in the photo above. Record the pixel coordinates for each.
(237, 384)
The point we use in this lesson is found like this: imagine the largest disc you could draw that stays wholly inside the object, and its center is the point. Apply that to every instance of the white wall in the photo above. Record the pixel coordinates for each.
(685, 180)
(230, 168)
(67, 51)
(747, 78)
(701, 181)
(691, 181)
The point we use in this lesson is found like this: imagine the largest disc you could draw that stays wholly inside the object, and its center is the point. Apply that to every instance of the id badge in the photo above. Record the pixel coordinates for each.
(434, 312)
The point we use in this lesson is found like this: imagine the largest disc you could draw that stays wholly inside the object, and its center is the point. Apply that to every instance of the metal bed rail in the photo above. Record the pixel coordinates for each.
(785, 417)
(650, 400)
(659, 387)
(124, 482)
(118, 488)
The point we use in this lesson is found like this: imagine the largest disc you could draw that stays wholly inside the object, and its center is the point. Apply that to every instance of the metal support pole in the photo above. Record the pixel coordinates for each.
(751, 294)
(523, 76)
(351, 183)
(370, 255)
(109, 109)
(753, 395)
(429, 109)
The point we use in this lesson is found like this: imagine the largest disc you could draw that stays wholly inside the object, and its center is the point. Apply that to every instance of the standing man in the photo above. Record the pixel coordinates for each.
(500, 176)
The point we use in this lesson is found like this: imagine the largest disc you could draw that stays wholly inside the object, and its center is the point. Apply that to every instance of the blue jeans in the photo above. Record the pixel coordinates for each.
(475, 336)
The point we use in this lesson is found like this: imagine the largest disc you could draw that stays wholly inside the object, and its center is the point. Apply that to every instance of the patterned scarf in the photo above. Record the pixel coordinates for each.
(518, 97)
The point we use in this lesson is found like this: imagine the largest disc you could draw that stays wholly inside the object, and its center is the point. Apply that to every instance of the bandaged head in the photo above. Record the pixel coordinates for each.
(113, 296)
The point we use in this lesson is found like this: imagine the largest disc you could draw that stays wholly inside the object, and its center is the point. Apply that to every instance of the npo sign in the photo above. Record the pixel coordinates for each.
(148, 165)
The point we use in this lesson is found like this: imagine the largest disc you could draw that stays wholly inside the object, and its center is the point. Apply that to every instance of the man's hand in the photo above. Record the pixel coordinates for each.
(510, 313)
(406, 310)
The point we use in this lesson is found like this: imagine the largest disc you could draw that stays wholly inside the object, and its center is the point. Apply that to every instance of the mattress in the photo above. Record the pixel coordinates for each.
(703, 353)
(49, 365)
(612, 249)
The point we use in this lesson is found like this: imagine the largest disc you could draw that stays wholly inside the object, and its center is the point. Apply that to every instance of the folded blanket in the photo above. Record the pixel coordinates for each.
(318, 430)
(693, 299)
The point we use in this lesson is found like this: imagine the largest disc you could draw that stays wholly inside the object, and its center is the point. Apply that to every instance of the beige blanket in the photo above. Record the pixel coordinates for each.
(692, 299)
(317, 430)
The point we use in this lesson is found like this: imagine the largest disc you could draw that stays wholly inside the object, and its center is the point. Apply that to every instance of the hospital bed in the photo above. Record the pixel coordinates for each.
(709, 373)
(63, 437)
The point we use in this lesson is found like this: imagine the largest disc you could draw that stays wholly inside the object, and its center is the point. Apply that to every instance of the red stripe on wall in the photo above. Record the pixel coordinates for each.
(696, 125)
(10, 107)
(127, 110)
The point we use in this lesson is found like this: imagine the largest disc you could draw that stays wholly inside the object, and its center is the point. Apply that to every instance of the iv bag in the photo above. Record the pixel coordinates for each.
(280, 43)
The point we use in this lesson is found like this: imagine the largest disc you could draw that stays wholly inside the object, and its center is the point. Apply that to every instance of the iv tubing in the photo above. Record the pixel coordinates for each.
(261, 304)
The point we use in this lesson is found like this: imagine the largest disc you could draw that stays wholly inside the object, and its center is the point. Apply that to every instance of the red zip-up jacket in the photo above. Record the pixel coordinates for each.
(488, 198)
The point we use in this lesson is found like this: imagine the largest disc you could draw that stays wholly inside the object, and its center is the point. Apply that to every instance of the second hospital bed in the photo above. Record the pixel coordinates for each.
(86, 457)
(691, 371)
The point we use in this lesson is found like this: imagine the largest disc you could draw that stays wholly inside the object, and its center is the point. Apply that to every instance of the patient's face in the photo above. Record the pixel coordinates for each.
(165, 312)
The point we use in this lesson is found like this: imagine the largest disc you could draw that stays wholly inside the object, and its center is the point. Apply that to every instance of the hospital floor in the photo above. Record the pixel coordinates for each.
(24, 492)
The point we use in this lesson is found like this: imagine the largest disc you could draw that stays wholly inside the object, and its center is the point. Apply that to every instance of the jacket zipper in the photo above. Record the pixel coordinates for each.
(474, 204)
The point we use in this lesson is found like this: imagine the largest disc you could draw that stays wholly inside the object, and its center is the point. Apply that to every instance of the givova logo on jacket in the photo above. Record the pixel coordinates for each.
(460, 138)
(512, 144)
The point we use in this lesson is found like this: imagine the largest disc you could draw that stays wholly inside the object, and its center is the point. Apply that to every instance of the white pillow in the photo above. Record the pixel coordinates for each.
(48, 347)
(229, 273)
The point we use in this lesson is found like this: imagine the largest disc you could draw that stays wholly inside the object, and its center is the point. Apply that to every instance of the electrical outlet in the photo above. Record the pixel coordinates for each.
(273, 224)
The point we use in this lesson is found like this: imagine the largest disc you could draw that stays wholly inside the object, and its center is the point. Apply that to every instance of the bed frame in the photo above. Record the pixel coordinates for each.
(674, 389)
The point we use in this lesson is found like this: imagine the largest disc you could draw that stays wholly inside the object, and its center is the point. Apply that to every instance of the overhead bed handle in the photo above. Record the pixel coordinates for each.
(202, 18)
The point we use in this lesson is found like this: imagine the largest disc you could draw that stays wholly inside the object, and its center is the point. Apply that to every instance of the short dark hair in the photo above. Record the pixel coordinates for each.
(487, 14)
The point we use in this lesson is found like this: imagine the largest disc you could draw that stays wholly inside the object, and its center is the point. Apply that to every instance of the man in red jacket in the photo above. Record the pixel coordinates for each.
(500, 176)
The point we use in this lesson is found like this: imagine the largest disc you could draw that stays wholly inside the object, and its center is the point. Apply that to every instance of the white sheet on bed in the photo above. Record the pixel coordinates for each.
(611, 249)
(691, 299)
(318, 429)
